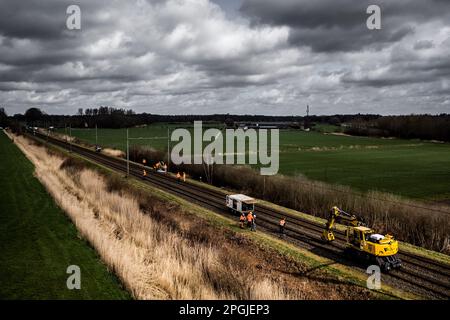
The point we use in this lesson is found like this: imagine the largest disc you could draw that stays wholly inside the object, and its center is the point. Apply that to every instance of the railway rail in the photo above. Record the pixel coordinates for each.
(419, 274)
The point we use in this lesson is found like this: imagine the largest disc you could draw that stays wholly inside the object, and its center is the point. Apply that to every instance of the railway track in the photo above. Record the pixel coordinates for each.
(419, 275)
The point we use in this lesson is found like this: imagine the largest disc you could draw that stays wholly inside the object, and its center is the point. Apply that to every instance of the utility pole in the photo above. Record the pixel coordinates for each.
(168, 148)
(96, 136)
(212, 170)
(128, 156)
(70, 137)
(264, 186)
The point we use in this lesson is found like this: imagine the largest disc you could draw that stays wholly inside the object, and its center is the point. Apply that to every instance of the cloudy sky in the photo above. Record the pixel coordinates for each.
(226, 56)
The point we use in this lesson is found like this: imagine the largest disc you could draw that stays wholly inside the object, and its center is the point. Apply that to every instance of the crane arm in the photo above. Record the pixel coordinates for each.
(337, 214)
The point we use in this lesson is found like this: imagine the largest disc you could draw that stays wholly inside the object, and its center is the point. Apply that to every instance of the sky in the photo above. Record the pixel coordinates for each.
(269, 57)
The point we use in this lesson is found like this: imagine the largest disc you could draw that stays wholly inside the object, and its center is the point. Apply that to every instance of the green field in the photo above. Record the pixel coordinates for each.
(410, 168)
(38, 242)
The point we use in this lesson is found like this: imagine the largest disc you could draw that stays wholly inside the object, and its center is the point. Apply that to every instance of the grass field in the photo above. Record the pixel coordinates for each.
(410, 168)
(38, 242)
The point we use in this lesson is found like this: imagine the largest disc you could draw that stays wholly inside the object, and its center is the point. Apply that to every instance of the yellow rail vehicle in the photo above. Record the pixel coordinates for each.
(363, 242)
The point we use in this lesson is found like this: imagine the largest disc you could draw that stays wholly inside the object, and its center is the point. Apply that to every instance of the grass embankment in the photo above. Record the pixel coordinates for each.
(164, 247)
(38, 242)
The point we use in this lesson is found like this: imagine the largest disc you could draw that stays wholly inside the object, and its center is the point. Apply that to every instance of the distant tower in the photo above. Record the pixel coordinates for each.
(306, 124)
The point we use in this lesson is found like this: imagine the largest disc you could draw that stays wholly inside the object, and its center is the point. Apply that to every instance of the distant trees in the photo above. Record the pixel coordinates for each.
(334, 121)
(33, 114)
(229, 122)
(3, 118)
(110, 117)
(425, 127)
(428, 127)
(102, 111)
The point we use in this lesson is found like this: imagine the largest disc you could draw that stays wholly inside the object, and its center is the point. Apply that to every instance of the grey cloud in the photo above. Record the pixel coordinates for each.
(423, 44)
(330, 25)
(335, 39)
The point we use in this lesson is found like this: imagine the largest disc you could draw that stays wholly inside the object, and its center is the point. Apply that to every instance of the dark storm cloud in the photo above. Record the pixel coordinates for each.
(423, 44)
(42, 20)
(323, 39)
(330, 25)
(32, 19)
(35, 33)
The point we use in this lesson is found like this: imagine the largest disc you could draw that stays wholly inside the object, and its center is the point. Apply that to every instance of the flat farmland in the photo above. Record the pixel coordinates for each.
(411, 168)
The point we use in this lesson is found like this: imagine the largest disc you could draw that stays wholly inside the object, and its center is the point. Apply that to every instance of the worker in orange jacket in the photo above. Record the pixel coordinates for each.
(282, 224)
(242, 220)
(178, 176)
(249, 219)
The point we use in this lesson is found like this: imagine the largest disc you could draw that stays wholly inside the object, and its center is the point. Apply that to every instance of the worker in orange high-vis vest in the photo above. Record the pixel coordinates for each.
(242, 220)
(249, 219)
(178, 176)
(144, 174)
(282, 224)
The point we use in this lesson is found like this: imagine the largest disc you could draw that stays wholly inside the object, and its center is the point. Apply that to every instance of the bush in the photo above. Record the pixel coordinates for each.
(424, 127)
(73, 165)
(138, 153)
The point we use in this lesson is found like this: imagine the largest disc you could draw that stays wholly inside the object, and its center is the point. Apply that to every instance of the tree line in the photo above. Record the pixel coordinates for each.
(426, 127)
(109, 117)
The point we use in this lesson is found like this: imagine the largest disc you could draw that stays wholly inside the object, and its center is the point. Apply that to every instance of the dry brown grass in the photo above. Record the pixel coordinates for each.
(64, 137)
(113, 152)
(161, 252)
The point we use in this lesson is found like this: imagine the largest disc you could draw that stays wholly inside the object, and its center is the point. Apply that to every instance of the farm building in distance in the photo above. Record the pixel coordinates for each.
(266, 125)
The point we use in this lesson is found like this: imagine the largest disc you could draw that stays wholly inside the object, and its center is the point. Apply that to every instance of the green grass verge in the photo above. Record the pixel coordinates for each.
(38, 242)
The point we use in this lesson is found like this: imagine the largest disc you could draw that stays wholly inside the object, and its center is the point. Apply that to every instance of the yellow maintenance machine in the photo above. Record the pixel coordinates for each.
(363, 242)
